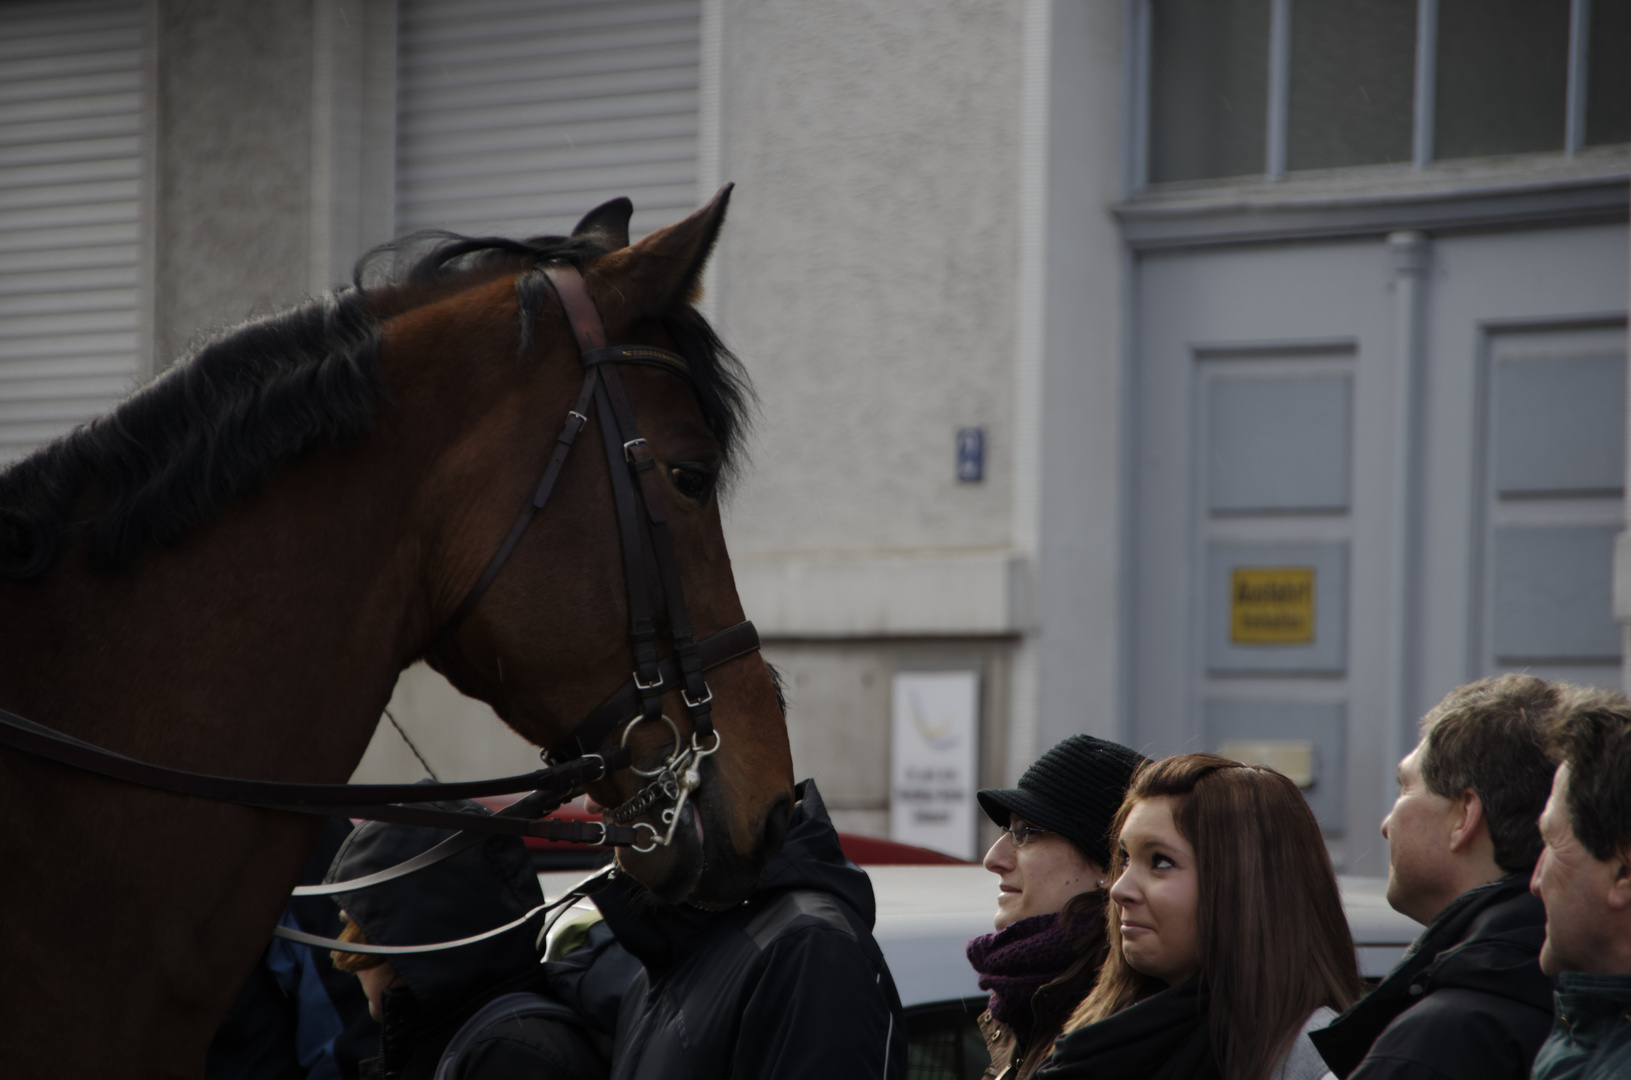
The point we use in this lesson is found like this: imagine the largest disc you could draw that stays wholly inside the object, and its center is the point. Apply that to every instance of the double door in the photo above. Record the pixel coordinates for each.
(1368, 471)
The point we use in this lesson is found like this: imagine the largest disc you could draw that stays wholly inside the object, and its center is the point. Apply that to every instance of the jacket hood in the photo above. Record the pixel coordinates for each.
(472, 892)
(1497, 951)
(811, 858)
(662, 934)
(1488, 942)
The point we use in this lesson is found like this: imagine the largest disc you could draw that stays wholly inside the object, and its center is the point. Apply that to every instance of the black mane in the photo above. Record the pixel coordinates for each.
(218, 424)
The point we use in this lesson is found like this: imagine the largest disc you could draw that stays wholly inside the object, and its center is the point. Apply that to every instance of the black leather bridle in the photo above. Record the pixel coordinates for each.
(584, 756)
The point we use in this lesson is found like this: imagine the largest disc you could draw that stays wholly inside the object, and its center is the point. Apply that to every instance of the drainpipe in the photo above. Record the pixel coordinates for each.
(1410, 253)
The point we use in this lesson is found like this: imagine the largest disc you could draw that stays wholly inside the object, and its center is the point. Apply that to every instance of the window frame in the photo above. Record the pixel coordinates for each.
(1279, 92)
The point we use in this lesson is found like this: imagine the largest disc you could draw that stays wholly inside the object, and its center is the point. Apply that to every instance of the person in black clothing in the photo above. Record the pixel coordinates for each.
(1469, 999)
(788, 984)
(480, 1011)
(296, 1017)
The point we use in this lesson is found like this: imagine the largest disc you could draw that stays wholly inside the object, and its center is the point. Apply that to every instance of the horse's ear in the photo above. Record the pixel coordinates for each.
(661, 271)
(607, 224)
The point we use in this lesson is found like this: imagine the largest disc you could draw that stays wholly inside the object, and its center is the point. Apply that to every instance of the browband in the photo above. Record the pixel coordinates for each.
(644, 355)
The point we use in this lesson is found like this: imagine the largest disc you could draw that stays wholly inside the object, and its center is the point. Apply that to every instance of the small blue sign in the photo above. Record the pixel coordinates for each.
(970, 455)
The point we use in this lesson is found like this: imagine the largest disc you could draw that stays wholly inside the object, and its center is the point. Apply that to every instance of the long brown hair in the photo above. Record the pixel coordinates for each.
(1273, 941)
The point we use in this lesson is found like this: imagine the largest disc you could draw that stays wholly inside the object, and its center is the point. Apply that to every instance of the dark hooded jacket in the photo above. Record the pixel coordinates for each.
(1163, 1037)
(790, 984)
(1468, 1000)
(468, 894)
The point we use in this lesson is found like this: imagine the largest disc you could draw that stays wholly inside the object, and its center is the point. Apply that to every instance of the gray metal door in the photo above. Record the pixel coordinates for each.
(1368, 471)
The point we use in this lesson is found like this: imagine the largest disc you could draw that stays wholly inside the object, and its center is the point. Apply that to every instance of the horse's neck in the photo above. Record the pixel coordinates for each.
(269, 638)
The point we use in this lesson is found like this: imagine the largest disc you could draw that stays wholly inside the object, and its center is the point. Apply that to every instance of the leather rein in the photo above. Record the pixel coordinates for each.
(570, 765)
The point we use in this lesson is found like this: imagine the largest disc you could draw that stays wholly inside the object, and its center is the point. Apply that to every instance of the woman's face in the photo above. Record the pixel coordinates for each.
(1040, 877)
(1156, 896)
(375, 981)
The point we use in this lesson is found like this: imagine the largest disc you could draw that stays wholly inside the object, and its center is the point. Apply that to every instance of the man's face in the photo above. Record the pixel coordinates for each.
(1573, 886)
(1417, 831)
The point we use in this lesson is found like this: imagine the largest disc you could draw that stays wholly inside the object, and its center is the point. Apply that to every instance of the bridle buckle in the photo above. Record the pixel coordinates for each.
(628, 448)
(652, 685)
(707, 696)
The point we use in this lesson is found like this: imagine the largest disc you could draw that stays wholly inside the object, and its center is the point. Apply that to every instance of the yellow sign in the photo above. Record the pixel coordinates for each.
(1271, 605)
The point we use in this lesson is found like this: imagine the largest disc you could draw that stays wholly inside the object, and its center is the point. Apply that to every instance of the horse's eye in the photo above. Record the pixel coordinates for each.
(692, 482)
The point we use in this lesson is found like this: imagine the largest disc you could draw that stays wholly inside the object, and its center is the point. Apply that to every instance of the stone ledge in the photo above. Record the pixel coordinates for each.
(886, 595)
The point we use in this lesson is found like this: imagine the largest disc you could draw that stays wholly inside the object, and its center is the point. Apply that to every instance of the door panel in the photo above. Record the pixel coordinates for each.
(1523, 425)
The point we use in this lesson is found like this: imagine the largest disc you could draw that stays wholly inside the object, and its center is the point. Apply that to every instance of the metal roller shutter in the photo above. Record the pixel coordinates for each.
(70, 208)
(516, 117)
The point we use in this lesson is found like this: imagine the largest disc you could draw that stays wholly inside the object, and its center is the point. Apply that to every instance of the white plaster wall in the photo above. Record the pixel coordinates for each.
(838, 696)
(233, 163)
(273, 156)
(867, 276)
(867, 272)
(460, 738)
(904, 171)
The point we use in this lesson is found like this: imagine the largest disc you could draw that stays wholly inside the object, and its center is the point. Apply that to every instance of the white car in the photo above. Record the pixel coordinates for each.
(928, 913)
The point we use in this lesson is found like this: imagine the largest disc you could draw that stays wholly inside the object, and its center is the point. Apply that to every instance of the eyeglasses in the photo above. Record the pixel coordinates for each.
(1021, 833)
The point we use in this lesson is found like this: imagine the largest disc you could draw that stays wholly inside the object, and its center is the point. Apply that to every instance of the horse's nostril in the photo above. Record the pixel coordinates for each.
(773, 826)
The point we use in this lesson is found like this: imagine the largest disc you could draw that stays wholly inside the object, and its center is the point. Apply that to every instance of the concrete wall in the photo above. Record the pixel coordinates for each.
(921, 240)
(272, 157)
(867, 277)
(234, 156)
(868, 271)
(838, 703)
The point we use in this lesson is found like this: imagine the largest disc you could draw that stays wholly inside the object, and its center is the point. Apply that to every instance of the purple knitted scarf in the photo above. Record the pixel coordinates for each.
(1016, 962)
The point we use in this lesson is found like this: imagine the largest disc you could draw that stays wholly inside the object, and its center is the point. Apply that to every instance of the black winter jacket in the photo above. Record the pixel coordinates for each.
(1467, 1001)
(1163, 1037)
(470, 893)
(788, 985)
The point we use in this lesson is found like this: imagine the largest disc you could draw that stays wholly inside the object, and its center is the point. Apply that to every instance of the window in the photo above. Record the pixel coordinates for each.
(1211, 75)
(1267, 87)
(1352, 82)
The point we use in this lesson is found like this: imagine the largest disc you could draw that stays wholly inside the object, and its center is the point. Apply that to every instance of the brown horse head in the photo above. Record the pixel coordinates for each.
(550, 639)
(228, 572)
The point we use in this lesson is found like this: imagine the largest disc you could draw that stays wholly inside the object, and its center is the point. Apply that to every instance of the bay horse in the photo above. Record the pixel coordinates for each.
(228, 571)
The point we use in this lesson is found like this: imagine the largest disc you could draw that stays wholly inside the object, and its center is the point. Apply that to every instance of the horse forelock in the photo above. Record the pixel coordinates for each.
(217, 425)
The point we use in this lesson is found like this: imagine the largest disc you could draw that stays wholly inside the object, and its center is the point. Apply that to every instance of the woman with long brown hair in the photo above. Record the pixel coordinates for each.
(1227, 938)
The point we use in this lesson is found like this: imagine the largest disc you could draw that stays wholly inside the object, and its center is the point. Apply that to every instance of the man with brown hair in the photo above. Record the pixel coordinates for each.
(1468, 999)
(1584, 877)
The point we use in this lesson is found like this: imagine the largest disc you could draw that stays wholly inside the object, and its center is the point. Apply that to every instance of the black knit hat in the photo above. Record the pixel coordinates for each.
(1074, 790)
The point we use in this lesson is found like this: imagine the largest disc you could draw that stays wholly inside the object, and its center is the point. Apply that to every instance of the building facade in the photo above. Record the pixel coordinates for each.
(1293, 333)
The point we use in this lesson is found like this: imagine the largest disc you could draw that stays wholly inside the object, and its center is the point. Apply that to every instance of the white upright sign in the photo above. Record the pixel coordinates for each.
(933, 762)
